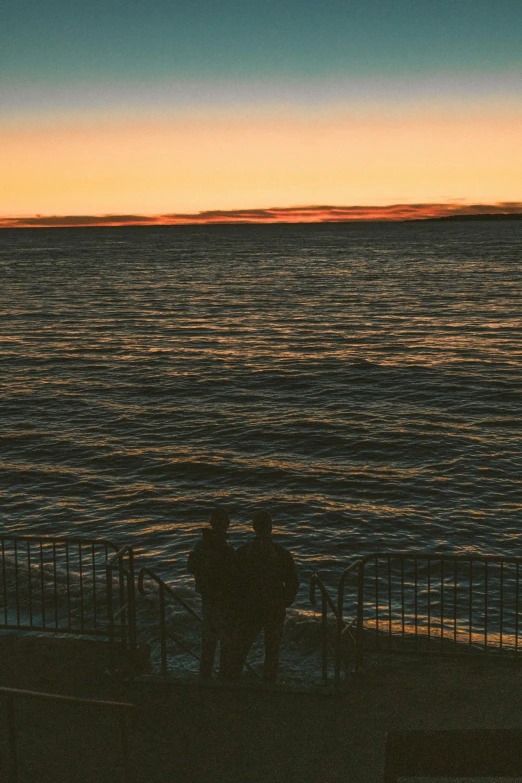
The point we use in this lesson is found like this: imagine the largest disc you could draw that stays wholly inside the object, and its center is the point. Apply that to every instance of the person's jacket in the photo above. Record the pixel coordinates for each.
(268, 575)
(214, 565)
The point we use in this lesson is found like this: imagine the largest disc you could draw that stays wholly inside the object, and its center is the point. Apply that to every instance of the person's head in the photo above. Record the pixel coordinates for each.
(262, 524)
(219, 521)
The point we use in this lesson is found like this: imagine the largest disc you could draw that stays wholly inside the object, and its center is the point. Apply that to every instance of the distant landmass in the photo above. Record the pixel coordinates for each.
(483, 216)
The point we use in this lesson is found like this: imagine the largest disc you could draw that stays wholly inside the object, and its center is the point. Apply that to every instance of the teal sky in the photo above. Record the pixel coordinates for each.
(163, 107)
(60, 42)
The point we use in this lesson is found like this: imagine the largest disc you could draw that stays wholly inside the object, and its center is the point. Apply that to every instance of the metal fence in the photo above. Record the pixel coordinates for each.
(439, 603)
(80, 586)
(55, 584)
(391, 602)
(423, 603)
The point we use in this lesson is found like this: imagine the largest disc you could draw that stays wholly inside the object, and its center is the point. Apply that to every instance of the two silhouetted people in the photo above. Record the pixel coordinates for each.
(243, 593)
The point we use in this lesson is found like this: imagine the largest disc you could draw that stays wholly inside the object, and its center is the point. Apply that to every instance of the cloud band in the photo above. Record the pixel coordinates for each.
(306, 214)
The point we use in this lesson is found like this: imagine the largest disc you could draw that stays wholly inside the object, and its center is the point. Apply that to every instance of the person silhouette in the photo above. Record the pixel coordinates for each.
(269, 584)
(213, 563)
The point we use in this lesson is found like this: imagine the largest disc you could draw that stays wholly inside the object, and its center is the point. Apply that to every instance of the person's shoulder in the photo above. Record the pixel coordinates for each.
(283, 552)
(280, 548)
(200, 546)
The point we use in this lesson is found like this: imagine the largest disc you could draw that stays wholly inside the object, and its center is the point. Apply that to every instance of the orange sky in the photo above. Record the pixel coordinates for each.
(176, 108)
(174, 164)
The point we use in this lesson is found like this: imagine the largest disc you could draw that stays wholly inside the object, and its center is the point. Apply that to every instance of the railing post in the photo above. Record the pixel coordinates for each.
(110, 616)
(132, 609)
(11, 732)
(324, 637)
(339, 632)
(359, 636)
(122, 609)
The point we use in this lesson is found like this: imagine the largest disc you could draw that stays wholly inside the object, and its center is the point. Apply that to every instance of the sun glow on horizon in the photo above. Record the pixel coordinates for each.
(194, 164)
(187, 108)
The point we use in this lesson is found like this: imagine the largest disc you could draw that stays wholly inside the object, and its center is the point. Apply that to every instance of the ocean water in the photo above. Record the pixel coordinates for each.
(361, 381)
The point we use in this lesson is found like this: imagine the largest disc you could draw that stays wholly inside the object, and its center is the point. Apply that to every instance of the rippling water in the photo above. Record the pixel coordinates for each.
(361, 381)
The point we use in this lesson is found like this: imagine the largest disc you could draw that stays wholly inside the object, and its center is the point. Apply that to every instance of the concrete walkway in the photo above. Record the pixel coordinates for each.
(184, 732)
(237, 735)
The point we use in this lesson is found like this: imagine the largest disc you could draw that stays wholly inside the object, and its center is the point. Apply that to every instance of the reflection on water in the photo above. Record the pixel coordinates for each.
(363, 381)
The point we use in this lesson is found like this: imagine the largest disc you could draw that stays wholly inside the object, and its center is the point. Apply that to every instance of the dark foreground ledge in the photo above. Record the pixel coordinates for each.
(184, 731)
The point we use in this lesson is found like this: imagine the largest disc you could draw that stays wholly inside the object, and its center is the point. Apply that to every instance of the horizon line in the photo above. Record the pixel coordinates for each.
(274, 215)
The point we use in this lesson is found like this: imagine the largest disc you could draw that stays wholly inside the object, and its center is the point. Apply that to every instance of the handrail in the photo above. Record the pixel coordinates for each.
(12, 693)
(445, 555)
(326, 603)
(356, 565)
(342, 582)
(62, 697)
(317, 581)
(164, 587)
(115, 563)
(341, 626)
(61, 539)
(153, 575)
(119, 554)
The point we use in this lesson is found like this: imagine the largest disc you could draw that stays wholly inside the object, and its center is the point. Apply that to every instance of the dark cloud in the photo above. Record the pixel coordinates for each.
(76, 220)
(311, 213)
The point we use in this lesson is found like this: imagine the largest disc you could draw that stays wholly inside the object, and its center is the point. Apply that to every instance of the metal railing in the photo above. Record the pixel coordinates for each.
(326, 642)
(54, 584)
(164, 590)
(79, 586)
(12, 693)
(397, 602)
(122, 618)
(343, 627)
(436, 604)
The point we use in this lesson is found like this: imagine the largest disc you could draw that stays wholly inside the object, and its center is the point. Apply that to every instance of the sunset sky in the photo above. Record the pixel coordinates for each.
(162, 110)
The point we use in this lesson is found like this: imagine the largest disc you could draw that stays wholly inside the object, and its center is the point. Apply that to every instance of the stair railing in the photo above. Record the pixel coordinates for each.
(343, 626)
(122, 563)
(164, 590)
(326, 604)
